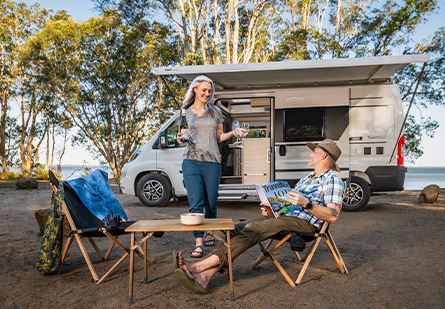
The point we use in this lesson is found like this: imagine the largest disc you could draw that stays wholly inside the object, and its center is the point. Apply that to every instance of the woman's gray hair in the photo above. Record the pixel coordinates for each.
(189, 99)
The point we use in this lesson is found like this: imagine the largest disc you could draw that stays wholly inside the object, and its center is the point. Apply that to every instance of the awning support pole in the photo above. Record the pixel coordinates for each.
(373, 73)
(171, 93)
(407, 112)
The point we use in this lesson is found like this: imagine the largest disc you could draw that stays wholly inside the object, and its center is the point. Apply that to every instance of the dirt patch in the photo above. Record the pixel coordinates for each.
(394, 252)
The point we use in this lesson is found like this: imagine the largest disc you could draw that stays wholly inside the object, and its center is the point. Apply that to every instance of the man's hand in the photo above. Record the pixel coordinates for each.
(297, 199)
(329, 213)
(264, 211)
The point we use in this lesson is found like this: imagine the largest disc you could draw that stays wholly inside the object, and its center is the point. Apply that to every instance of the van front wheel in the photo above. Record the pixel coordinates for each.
(154, 190)
(357, 195)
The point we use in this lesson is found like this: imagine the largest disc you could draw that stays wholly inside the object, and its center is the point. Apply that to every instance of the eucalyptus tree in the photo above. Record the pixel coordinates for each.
(102, 75)
(19, 78)
(207, 32)
(232, 31)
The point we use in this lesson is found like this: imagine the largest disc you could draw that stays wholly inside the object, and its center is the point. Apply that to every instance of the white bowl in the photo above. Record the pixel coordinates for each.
(192, 218)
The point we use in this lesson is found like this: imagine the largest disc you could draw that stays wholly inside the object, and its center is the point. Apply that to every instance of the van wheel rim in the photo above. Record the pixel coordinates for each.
(153, 190)
(354, 195)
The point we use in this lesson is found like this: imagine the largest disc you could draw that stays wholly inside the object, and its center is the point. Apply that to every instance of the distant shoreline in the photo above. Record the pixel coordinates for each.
(425, 167)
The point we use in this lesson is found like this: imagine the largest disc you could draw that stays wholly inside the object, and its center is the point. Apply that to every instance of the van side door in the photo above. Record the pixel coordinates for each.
(294, 127)
(169, 159)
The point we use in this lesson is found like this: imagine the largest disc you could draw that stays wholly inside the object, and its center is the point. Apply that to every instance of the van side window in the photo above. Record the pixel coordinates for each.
(170, 136)
(304, 124)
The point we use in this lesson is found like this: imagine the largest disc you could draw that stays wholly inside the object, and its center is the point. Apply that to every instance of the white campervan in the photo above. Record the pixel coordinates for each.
(352, 101)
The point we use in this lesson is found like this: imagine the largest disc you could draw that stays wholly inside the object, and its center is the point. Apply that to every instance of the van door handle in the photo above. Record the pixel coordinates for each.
(268, 155)
(282, 150)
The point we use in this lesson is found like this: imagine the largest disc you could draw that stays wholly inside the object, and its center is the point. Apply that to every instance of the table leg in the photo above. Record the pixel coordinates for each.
(145, 258)
(130, 285)
(229, 256)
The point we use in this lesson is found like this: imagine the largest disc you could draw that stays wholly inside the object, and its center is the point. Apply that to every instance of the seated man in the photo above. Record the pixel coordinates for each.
(319, 197)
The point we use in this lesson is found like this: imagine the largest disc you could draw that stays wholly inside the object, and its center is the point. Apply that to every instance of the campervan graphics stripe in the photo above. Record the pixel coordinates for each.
(367, 98)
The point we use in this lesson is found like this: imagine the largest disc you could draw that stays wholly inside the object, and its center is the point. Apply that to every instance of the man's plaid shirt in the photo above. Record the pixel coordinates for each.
(322, 190)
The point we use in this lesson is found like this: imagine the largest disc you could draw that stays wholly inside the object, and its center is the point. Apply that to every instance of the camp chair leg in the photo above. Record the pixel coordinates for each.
(282, 271)
(109, 250)
(298, 256)
(263, 256)
(336, 254)
(86, 257)
(113, 268)
(309, 251)
(138, 250)
(266, 250)
(69, 241)
(307, 259)
(96, 248)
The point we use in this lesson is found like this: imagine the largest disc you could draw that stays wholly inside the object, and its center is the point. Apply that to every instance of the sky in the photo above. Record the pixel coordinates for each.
(432, 147)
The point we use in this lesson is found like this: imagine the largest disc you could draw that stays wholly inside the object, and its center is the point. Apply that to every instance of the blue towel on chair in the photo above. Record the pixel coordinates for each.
(95, 193)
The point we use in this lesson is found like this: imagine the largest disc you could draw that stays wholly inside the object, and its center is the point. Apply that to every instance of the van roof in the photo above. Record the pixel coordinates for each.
(297, 73)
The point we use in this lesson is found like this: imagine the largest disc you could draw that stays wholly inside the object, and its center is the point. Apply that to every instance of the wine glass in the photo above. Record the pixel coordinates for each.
(235, 125)
(245, 126)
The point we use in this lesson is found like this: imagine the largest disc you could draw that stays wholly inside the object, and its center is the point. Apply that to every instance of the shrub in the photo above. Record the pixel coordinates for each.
(10, 175)
(41, 174)
(86, 171)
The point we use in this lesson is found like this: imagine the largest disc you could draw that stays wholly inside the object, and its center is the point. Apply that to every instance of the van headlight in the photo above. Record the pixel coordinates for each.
(135, 154)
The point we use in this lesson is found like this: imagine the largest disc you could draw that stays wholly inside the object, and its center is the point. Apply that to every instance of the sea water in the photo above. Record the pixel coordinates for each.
(416, 178)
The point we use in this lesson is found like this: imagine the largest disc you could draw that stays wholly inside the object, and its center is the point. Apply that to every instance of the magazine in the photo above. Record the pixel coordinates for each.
(273, 196)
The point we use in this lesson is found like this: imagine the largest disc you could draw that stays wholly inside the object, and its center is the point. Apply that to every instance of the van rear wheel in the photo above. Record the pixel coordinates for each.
(154, 190)
(357, 195)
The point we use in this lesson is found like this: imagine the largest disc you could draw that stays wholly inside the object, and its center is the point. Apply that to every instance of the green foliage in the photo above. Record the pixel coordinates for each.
(413, 138)
(86, 171)
(97, 75)
(10, 175)
(40, 173)
(102, 70)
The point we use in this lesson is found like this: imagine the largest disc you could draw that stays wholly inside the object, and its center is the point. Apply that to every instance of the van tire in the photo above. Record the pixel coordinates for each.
(357, 196)
(154, 190)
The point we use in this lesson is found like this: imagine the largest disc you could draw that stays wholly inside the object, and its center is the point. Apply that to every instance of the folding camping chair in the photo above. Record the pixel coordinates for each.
(84, 224)
(285, 236)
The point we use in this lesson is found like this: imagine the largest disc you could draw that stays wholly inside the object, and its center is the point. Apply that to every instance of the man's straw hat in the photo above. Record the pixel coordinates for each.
(330, 148)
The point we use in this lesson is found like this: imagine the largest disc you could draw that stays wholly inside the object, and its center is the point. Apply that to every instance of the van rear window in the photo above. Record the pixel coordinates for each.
(304, 124)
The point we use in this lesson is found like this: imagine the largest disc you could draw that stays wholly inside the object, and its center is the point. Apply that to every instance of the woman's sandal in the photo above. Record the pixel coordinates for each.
(209, 241)
(197, 253)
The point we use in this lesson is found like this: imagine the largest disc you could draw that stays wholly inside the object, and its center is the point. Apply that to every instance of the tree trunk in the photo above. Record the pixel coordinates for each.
(47, 149)
(227, 28)
(3, 131)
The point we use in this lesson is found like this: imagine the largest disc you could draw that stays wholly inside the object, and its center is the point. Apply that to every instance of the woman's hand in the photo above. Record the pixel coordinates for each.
(239, 132)
(180, 138)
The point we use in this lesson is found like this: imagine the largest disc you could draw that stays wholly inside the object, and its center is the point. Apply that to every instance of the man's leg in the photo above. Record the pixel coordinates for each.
(251, 234)
(257, 231)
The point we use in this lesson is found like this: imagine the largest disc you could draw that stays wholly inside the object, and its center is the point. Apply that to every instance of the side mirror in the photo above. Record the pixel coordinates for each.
(162, 140)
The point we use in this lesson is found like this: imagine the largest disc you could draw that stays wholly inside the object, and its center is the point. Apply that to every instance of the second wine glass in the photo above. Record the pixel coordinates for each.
(245, 126)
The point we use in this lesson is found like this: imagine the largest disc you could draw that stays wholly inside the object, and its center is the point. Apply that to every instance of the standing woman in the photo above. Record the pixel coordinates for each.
(201, 167)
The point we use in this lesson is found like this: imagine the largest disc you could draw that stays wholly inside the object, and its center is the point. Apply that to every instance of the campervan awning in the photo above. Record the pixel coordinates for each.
(297, 73)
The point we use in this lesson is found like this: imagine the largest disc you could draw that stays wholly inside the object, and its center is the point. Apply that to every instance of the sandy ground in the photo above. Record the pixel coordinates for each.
(394, 251)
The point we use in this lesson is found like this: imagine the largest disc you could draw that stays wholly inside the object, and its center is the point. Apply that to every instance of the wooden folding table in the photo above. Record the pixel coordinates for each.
(148, 227)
